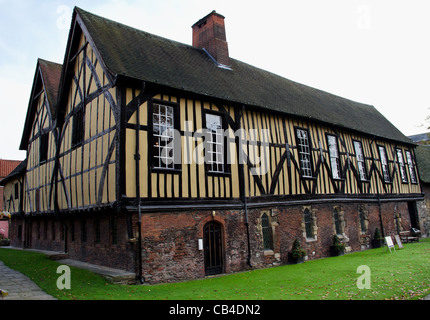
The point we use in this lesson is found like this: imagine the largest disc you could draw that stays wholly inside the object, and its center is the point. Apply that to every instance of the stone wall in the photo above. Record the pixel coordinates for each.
(170, 241)
(424, 210)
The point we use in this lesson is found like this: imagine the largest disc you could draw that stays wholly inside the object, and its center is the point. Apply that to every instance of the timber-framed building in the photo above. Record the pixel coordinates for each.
(116, 134)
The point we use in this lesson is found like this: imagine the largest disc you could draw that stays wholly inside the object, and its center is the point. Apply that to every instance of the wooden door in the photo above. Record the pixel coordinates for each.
(213, 250)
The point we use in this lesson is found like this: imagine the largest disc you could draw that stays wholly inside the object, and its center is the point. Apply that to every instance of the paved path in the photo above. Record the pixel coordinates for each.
(19, 286)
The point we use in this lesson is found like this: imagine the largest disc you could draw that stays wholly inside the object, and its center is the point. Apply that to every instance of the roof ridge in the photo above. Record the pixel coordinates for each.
(49, 62)
(123, 25)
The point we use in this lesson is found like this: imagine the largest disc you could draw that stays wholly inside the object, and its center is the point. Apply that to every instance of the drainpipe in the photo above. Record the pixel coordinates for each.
(139, 223)
(380, 216)
(248, 260)
(245, 205)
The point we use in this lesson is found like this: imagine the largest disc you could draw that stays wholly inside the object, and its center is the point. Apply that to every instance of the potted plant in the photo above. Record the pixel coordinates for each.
(377, 239)
(297, 254)
(338, 248)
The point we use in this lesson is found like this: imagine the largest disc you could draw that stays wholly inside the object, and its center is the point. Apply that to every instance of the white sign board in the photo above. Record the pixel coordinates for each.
(399, 242)
(389, 243)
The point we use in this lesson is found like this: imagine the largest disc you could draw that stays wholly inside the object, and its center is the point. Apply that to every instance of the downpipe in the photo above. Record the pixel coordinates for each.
(245, 204)
(139, 223)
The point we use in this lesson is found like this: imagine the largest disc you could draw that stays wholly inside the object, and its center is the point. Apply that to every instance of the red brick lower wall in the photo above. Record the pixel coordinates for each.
(170, 241)
(170, 247)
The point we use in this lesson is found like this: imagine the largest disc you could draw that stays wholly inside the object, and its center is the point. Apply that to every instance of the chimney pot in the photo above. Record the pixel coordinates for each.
(209, 34)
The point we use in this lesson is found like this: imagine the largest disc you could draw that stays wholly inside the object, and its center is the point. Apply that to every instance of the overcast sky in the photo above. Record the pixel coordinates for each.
(375, 52)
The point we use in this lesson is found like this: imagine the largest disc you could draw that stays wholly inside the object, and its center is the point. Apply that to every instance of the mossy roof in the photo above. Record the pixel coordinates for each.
(136, 54)
(422, 153)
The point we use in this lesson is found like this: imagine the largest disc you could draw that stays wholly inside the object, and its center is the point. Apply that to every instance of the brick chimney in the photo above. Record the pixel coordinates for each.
(209, 34)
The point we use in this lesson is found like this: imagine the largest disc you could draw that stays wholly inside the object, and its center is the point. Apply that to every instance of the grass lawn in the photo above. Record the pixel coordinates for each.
(404, 274)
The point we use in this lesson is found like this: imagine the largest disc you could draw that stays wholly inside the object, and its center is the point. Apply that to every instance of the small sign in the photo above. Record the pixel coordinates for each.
(389, 243)
(399, 242)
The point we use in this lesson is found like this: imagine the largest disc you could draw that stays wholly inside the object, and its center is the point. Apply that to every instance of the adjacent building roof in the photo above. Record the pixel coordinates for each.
(422, 153)
(11, 169)
(7, 166)
(420, 137)
(129, 52)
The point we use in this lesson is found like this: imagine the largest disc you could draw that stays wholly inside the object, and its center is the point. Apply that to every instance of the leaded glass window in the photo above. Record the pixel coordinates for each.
(304, 152)
(267, 232)
(215, 144)
(163, 132)
(334, 156)
(411, 167)
(384, 164)
(402, 166)
(308, 223)
(360, 160)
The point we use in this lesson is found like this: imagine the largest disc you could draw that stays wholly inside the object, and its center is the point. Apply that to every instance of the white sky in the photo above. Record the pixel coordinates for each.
(375, 52)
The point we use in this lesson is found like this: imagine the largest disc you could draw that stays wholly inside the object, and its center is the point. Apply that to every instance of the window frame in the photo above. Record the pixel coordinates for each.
(78, 127)
(362, 170)
(402, 165)
(411, 166)
(301, 153)
(224, 144)
(176, 164)
(385, 167)
(267, 232)
(334, 157)
(43, 147)
(16, 190)
(309, 223)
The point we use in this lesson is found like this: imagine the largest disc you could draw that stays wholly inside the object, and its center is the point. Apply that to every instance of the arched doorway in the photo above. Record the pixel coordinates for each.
(213, 251)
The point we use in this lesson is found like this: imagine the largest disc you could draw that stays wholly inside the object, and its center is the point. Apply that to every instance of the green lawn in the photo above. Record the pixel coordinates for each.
(404, 274)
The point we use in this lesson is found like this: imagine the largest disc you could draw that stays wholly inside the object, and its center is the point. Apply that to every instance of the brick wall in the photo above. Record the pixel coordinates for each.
(170, 239)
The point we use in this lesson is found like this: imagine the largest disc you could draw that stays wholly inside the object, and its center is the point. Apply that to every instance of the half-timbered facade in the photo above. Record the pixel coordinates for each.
(177, 161)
